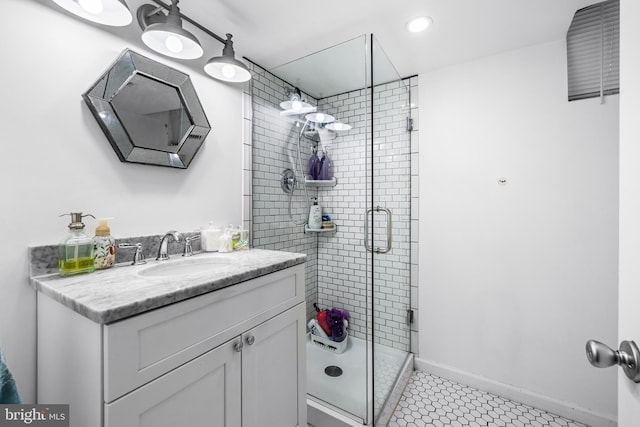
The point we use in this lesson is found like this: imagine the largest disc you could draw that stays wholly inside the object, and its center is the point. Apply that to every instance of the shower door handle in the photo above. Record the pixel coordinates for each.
(366, 230)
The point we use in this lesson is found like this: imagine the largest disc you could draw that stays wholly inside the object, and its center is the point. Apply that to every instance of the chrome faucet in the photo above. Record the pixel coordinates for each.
(188, 249)
(163, 254)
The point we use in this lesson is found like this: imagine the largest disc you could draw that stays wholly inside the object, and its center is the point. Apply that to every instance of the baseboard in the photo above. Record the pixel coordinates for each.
(564, 409)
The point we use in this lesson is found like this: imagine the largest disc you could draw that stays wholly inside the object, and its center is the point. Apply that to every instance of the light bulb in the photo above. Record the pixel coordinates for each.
(94, 7)
(296, 105)
(320, 117)
(337, 126)
(228, 71)
(174, 44)
(419, 24)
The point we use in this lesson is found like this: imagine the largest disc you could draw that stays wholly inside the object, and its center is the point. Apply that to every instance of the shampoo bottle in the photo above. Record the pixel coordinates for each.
(314, 165)
(105, 246)
(315, 215)
(326, 167)
(76, 250)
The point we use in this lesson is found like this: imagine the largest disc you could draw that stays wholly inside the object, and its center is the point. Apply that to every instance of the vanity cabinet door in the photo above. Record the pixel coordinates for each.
(203, 392)
(274, 372)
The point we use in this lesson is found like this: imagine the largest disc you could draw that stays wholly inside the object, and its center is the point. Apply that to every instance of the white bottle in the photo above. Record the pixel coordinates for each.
(210, 238)
(315, 215)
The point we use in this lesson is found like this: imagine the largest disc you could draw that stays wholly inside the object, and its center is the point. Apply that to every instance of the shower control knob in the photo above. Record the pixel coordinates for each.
(628, 357)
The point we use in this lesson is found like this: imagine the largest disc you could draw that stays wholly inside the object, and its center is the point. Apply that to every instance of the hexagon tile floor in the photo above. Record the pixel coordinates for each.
(432, 401)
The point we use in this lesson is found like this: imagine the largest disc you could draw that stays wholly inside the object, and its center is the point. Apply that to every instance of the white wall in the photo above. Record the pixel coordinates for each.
(515, 279)
(56, 159)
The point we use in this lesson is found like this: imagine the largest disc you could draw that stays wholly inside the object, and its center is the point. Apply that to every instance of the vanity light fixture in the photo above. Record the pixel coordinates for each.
(419, 24)
(226, 67)
(165, 34)
(114, 13)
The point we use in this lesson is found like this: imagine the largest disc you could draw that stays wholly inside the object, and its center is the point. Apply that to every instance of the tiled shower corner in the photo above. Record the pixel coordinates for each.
(339, 267)
(266, 205)
(338, 277)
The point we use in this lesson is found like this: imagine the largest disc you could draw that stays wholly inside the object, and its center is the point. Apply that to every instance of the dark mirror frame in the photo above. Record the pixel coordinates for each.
(100, 96)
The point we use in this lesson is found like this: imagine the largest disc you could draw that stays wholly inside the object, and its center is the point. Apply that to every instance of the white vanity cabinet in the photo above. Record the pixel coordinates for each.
(203, 392)
(234, 357)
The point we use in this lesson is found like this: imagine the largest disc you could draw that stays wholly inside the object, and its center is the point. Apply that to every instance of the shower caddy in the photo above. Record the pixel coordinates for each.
(319, 183)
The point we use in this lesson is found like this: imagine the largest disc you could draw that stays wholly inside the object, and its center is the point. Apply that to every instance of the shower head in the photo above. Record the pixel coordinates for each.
(295, 105)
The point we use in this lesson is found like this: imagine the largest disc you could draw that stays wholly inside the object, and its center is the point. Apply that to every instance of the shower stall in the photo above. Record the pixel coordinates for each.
(362, 264)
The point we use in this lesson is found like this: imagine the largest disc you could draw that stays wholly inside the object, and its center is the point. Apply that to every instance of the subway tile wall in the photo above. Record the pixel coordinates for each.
(338, 262)
(273, 146)
(343, 261)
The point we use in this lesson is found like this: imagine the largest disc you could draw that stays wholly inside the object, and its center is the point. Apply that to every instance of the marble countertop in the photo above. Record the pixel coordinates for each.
(107, 296)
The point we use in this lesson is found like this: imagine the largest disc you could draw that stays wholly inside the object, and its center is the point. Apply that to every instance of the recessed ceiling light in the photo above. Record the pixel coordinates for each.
(419, 24)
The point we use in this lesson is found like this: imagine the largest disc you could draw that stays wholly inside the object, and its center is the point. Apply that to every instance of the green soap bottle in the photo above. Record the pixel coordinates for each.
(76, 251)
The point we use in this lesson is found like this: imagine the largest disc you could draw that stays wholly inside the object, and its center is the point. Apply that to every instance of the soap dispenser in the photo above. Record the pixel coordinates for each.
(315, 215)
(104, 245)
(76, 250)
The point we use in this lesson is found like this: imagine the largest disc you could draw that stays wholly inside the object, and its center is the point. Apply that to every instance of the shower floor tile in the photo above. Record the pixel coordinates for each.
(432, 401)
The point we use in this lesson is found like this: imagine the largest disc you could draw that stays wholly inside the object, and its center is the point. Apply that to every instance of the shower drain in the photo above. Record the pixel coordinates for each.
(333, 371)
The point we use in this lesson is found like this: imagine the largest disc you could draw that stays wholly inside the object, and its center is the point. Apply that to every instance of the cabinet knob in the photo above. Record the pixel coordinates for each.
(238, 346)
(251, 339)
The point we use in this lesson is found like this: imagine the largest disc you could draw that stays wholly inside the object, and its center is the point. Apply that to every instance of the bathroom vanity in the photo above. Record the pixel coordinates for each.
(214, 340)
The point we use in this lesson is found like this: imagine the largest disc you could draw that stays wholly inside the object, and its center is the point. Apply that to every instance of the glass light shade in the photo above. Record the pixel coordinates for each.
(172, 40)
(228, 69)
(114, 13)
(320, 118)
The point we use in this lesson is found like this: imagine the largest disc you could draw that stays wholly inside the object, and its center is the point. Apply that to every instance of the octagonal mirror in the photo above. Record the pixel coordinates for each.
(149, 112)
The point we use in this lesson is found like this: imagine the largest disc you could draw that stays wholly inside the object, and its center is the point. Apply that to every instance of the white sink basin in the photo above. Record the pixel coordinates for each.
(189, 266)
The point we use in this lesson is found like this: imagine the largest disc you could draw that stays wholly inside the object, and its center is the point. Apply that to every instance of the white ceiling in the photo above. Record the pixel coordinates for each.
(275, 32)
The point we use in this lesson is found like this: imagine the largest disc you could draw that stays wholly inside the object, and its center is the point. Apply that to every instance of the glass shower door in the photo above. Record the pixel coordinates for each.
(355, 83)
(388, 222)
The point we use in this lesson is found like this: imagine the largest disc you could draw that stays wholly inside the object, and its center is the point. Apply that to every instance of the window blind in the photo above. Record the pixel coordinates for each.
(593, 51)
